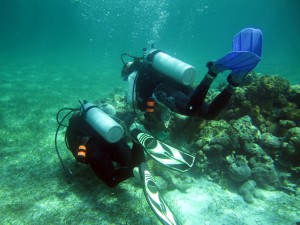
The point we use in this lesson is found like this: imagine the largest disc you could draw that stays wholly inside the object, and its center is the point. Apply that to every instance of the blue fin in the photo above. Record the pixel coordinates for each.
(237, 61)
(246, 52)
(249, 39)
(237, 75)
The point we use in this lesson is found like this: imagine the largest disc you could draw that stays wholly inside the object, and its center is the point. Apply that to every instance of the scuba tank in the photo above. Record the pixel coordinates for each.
(171, 67)
(109, 129)
(131, 95)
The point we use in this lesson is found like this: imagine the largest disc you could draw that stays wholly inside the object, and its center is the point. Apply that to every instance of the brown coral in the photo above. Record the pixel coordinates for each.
(268, 91)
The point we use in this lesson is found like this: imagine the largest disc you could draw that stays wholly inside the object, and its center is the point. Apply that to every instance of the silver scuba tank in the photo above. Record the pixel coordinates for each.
(131, 95)
(171, 67)
(109, 129)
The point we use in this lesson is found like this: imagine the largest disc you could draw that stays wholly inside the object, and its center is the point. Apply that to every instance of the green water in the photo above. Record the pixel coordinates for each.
(54, 52)
(196, 31)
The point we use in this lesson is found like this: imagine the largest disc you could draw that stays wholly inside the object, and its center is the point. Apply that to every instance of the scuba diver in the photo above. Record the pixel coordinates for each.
(95, 138)
(89, 147)
(157, 78)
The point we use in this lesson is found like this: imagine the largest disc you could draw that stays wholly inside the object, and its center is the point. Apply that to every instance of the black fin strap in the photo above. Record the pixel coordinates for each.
(212, 73)
(229, 80)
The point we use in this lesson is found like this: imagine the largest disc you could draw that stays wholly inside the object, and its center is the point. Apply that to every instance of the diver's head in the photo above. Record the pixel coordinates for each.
(129, 67)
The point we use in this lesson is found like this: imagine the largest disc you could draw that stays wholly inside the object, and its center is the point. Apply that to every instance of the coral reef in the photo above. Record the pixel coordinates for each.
(239, 171)
(263, 126)
(264, 114)
(254, 143)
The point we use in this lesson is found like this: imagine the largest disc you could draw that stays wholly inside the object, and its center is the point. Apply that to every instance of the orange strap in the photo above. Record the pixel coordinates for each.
(150, 105)
(81, 153)
(82, 148)
(150, 110)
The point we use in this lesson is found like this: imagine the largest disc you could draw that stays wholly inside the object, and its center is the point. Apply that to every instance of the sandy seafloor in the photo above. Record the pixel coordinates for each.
(34, 189)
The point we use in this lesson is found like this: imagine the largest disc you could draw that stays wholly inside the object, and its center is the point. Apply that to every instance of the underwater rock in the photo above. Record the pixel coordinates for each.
(213, 129)
(223, 140)
(216, 148)
(161, 183)
(201, 163)
(215, 135)
(177, 180)
(215, 140)
(245, 130)
(285, 125)
(266, 100)
(294, 94)
(289, 149)
(250, 78)
(265, 176)
(283, 111)
(239, 171)
(260, 158)
(286, 185)
(238, 105)
(247, 190)
(267, 91)
(293, 137)
(290, 113)
(291, 146)
(108, 108)
(253, 149)
(270, 142)
(256, 115)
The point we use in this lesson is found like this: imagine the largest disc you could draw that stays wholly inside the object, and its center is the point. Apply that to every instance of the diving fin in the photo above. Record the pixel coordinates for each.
(237, 75)
(154, 199)
(163, 153)
(237, 60)
(245, 55)
(248, 39)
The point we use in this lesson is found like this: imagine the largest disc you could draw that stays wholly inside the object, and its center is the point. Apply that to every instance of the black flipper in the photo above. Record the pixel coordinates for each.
(163, 153)
(154, 199)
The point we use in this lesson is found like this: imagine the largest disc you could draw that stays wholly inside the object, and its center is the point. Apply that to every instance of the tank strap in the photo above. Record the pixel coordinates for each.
(84, 113)
(151, 55)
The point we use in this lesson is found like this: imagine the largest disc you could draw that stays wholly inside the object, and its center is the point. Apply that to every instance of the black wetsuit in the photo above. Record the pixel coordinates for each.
(101, 154)
(179, 98)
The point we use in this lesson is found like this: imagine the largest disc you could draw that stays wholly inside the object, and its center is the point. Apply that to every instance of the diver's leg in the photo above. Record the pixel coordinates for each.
(101, 162)
(197, 99)
(196, 102)
(219, 103)
(119, 175)
(121, 153)
(138, 155)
